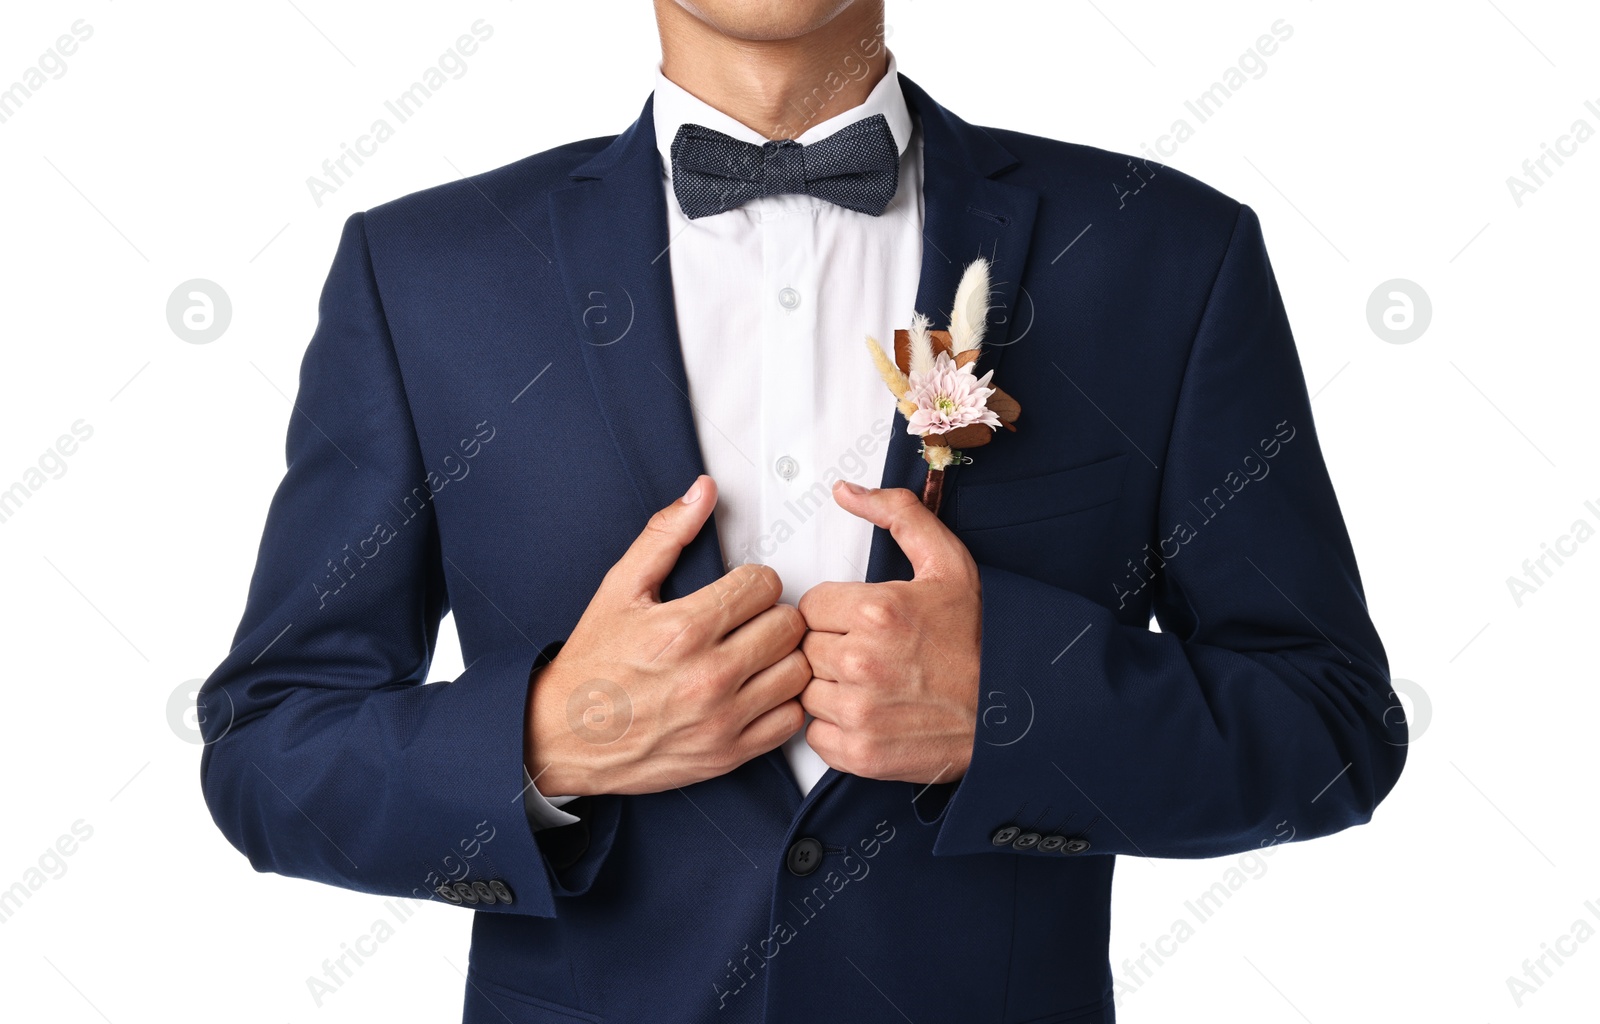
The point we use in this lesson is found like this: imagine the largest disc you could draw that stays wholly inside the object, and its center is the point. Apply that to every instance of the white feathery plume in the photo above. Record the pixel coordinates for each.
(921, 345)
(970, 317)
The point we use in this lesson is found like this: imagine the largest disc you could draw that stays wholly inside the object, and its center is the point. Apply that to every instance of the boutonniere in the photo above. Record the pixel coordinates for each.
(944, 402)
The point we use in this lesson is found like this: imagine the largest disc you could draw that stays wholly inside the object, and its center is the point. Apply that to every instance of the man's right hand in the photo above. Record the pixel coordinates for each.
(647, 695)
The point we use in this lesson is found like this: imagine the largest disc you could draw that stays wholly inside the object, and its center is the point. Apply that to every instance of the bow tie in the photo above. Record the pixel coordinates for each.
(857, 167)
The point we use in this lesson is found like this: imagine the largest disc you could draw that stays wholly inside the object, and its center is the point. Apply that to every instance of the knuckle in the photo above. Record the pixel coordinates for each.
(856, 663)
(659, 524)
(876, 612)
(901, 498)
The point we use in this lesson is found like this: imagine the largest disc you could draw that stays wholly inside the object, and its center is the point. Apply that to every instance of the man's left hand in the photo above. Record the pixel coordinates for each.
(895, 664)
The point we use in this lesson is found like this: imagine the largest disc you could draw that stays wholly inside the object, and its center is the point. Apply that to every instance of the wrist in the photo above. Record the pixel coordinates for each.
(546, 746)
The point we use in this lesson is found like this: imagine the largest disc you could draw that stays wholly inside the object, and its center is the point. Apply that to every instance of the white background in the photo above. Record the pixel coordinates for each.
(1376, 146)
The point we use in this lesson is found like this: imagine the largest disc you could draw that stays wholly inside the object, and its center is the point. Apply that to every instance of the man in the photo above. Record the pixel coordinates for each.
(835, 758)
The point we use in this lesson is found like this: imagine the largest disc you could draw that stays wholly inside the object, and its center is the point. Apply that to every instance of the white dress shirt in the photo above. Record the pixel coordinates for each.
(773, 301)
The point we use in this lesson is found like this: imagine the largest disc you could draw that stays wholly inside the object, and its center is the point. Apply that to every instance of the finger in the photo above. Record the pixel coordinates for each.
(822, 650)
(828, 740)
(825, 700)
(765, 639)
(736, 596)
(928, 544)
(829, 607)
(653, 553)
(771, 729)
(779, 682)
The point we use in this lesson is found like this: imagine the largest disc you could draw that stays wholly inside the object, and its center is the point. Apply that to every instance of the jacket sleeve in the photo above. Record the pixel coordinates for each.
(327, 754)
(1262, 709)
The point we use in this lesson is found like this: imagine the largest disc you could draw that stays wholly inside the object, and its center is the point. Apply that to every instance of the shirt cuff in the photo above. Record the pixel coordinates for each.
(543, 811)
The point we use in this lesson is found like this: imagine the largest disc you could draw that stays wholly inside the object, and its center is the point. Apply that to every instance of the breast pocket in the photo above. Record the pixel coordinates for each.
(1056, 527)
(989, 504)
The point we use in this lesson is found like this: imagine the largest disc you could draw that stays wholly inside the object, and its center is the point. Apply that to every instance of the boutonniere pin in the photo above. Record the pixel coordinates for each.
(931, 376)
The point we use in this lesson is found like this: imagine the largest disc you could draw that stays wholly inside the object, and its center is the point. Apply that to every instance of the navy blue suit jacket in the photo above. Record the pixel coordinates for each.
(494, 402)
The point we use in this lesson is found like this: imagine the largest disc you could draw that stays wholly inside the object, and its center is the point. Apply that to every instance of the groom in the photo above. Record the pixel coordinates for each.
(743, 736)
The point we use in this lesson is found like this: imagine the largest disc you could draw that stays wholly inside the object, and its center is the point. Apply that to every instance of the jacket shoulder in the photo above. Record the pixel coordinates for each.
(486, 197)
(1116, 181)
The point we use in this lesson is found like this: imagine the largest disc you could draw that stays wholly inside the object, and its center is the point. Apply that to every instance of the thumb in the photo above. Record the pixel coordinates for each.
(928, 543)
(653, 553)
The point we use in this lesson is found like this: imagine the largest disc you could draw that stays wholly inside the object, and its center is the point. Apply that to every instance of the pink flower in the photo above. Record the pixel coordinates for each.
(949, 397)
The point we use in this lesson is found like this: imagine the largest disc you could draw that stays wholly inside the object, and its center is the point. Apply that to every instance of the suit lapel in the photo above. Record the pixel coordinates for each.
(968, 214)
(610, 230)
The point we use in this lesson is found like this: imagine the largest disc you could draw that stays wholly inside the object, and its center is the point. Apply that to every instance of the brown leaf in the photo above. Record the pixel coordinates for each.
(975, 436)
(1004, 406)
(902, 347)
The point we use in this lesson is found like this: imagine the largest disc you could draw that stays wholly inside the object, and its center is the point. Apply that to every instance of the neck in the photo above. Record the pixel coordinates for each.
(778, 87)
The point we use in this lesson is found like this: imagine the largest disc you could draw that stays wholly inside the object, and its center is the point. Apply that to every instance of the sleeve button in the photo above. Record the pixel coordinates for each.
(1026, 841)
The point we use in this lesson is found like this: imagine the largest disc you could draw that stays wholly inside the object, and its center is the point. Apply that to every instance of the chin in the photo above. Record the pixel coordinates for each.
(766, 20)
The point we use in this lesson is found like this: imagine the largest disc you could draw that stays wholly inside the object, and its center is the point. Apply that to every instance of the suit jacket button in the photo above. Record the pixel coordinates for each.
(1026, 841)
(466, 892)
(484, 893)
(1050, 844)
(502, 892)
(1075, 846)
(805, 856)
(1005, 835)
(447, 892)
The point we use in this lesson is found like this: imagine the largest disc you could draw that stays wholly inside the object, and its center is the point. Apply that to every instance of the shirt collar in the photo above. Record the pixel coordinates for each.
(674, 106)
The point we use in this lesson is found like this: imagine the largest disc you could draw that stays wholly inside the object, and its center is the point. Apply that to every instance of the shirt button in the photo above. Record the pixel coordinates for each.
(788, 298)
(786, 467)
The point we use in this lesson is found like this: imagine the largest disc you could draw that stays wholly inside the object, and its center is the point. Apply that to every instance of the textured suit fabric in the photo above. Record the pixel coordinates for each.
(1164, 411)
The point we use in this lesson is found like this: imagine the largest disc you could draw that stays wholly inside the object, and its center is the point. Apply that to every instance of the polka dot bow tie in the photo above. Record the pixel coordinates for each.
(857, 167)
